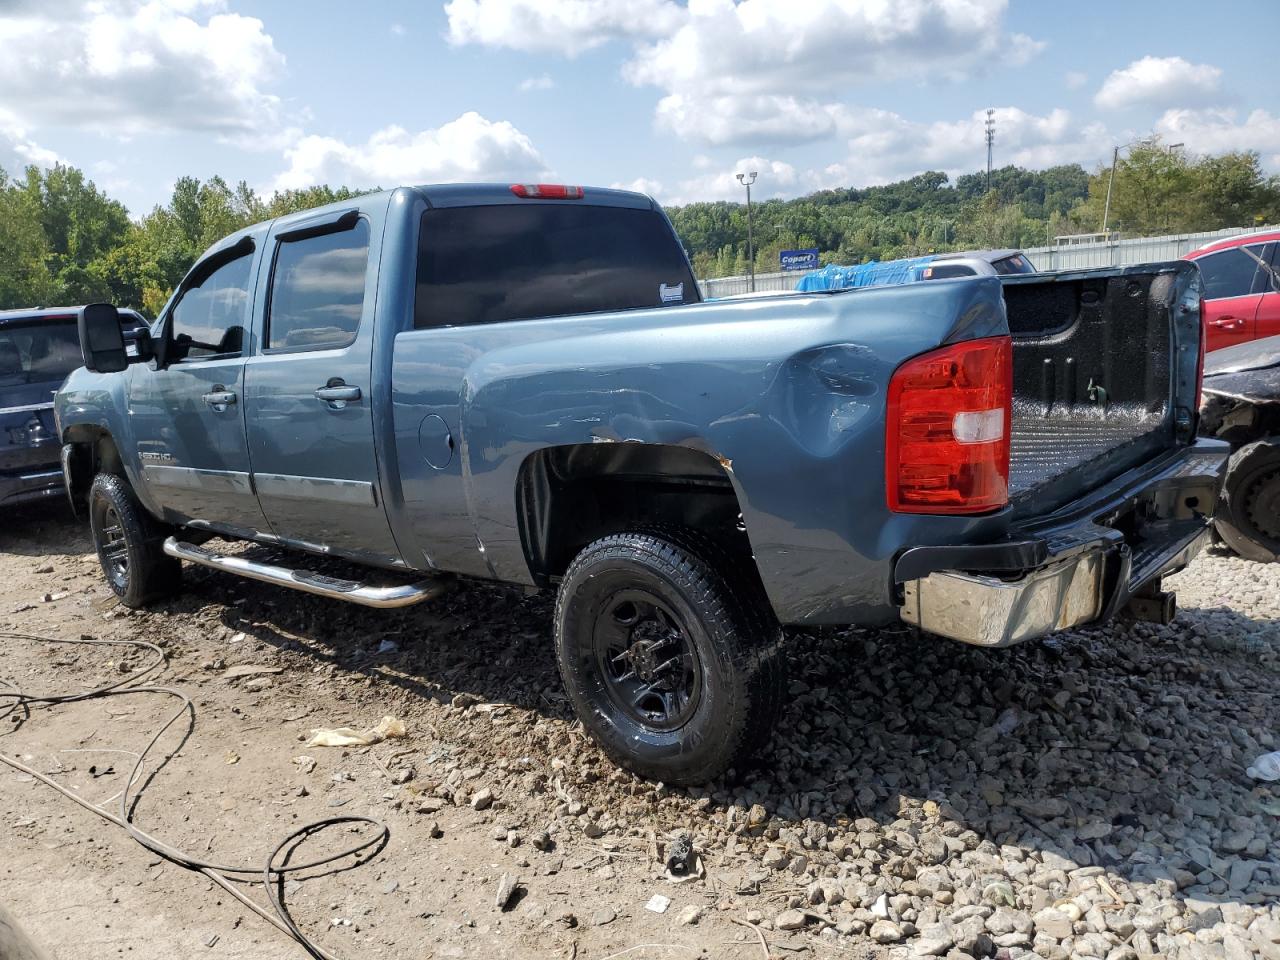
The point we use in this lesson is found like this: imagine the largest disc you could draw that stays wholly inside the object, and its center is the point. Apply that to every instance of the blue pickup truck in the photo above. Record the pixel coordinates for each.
(518, 383)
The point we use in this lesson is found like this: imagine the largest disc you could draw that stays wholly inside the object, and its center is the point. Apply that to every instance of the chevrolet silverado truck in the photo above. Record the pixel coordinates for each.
(519, 383)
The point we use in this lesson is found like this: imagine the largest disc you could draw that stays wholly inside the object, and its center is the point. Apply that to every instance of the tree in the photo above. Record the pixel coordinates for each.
(81, 225)
(24, 274)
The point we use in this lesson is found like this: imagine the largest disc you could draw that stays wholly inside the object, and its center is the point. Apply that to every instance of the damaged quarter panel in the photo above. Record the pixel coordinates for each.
(786, 394)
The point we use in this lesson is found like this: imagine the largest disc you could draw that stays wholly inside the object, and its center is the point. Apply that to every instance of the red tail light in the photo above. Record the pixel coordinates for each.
(546, 191)
(947, 439)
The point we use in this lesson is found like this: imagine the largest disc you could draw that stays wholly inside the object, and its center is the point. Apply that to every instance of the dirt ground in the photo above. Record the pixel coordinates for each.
(853, 789)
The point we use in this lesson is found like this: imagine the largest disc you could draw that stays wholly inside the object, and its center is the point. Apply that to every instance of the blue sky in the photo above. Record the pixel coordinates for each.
(669, 97)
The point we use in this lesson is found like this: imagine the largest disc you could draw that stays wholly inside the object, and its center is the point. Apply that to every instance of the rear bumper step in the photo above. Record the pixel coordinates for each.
(1101, 556)
(400, 595)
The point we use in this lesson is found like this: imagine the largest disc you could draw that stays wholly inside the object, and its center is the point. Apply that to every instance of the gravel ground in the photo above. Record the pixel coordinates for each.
(1079, 797)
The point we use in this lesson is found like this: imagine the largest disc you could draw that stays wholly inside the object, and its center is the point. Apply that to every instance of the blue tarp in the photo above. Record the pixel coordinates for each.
(873, 274)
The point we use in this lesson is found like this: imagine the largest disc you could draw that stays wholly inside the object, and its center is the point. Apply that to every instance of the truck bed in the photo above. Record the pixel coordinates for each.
(1093, 376)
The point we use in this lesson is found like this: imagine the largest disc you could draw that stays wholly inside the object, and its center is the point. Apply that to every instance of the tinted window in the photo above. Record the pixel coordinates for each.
(948, 272)
(38, 352)
(525, 260)
(1015, 264)
(317, 289)
(209, 319)
(1229, 273)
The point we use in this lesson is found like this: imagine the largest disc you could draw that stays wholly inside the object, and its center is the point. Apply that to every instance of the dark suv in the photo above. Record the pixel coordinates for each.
(38, 348)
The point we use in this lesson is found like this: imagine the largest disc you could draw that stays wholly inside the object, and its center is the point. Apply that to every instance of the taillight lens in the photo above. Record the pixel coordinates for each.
(546, 191)
(947, 436)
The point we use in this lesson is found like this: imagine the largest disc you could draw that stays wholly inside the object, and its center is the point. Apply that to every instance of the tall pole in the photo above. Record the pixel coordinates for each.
(991, 139)
(1111, 181)
(751, 252)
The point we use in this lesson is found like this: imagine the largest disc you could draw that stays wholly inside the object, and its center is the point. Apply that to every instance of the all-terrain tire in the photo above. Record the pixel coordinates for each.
(1248, 512)
(732, 645)
(130, 544)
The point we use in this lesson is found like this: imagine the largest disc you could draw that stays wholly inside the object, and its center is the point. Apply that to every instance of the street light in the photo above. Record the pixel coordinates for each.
(1111, 181)
(751, 253)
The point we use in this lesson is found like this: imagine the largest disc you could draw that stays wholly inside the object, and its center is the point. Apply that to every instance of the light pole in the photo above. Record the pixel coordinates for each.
(1111, 181)
(751, 253)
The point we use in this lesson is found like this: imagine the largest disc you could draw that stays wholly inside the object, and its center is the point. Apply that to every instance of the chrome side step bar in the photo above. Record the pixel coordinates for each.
(403, 595)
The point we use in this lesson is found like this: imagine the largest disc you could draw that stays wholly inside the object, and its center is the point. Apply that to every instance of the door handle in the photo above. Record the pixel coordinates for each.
(337, 394)
(1227, 323)
(219, 397)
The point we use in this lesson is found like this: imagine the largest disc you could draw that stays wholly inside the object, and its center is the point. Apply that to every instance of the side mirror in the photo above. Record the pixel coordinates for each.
(101, 340)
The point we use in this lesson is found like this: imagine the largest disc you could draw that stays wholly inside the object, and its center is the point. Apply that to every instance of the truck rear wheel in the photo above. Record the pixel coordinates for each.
(130, 544)
(674, 666)
(1248, 514)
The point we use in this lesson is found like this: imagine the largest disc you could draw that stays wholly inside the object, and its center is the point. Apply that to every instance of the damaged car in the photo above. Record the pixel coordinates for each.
(1242, 406)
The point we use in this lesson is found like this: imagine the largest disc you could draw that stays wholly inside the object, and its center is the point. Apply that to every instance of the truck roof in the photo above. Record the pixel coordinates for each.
(480, 194)
(27, 314)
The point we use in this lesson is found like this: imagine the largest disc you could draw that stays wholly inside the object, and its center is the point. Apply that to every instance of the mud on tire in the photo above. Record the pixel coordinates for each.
(130, 544)
(669, 655)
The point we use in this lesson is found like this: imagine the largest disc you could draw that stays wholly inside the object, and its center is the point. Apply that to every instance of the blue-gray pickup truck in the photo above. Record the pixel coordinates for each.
(519, 383)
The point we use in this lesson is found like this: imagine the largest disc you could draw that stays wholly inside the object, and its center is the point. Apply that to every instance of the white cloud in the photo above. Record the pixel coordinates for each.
(1218, 130)
(1074, 79)
(775, 178)
(1160, 82)
(768, 70)
(126, 67)
(652, 188)
(541, 82)
(468, 148)
(885, 146)
(567, 27)
(18, 151)
(398, 30)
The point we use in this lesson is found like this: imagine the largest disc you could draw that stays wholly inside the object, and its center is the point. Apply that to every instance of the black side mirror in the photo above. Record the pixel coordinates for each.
(101, 340)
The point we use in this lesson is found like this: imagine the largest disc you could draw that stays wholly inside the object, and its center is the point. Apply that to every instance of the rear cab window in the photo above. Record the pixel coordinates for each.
(1014, 264)
(487, 264)
(41, 351)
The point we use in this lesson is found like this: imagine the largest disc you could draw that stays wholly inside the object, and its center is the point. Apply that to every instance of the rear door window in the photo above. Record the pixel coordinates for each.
(42, 352)
(209, 320)
(486, 264)
(1230, 273)
(317, 290)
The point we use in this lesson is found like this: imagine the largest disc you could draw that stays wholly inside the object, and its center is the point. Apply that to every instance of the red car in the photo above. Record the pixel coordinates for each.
(1241, 288)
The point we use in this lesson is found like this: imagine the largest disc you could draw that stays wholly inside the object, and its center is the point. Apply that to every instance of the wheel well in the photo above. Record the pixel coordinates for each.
(93, 451)
(569, 496)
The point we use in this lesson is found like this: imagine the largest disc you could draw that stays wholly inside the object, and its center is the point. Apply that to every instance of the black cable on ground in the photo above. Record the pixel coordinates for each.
(270, 874)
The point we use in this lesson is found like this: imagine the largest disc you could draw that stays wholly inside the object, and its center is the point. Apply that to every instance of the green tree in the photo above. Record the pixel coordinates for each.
(24, 273)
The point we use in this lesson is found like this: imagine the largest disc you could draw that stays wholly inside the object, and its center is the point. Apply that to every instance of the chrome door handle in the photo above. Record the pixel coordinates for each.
(337, 394)
(1227, 323)
(219, 397)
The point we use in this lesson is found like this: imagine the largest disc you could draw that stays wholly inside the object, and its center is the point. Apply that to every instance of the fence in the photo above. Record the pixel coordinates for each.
(1104, 253)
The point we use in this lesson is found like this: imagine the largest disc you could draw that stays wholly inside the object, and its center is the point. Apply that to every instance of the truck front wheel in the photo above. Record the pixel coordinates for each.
(130, 544)
(1248, 513)
(673, 665)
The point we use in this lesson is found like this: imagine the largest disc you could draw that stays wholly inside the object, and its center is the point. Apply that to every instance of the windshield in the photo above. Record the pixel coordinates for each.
(41, 352)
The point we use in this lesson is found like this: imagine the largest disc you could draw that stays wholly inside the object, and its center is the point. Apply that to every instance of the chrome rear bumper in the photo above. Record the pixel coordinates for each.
(992, 612)
(1085, 563)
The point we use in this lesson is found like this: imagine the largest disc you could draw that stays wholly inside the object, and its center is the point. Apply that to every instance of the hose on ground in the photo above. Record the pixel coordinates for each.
(14, 700)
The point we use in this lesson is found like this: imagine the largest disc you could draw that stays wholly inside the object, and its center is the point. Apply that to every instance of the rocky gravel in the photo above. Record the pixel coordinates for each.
(1084, 796)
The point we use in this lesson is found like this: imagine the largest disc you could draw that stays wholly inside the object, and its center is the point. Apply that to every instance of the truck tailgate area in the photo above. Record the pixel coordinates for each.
(1093, 376)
